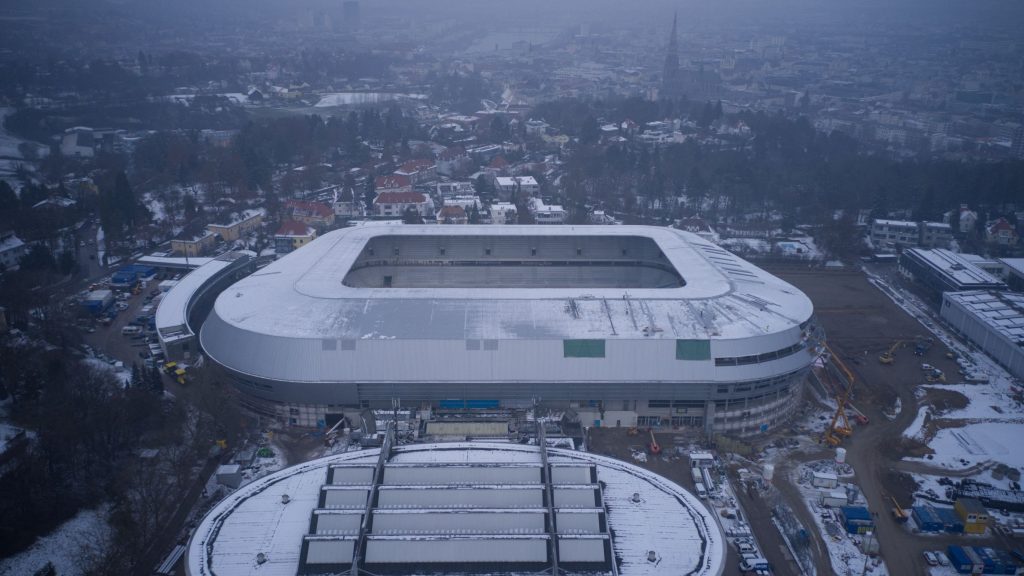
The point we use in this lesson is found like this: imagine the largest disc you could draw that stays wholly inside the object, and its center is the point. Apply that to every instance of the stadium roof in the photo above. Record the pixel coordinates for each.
(172, 314)
(302, 296)
(460, 528)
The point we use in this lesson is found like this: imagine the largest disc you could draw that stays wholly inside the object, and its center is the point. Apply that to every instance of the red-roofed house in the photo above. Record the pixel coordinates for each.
(396, 203)
(418, 171)
(293, 235)
(1001, 232)
(392, 183)
(313, 213)
(452, 214)
(498, 166)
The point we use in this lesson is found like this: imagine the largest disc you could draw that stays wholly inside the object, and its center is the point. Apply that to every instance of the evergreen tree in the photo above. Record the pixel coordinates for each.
(369, 194)
(136, 381)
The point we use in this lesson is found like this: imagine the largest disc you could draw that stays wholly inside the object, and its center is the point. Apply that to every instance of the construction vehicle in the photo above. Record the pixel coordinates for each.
(654, 447)
(922, 346)
(899, 514)
(839, 427)
(889, 356)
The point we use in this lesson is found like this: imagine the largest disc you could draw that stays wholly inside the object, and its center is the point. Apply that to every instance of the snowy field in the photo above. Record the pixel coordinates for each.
(68, 547)
(988, 429)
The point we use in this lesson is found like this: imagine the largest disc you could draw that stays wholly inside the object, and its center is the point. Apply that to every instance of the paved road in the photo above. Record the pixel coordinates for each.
(759, 516)
(781, 480)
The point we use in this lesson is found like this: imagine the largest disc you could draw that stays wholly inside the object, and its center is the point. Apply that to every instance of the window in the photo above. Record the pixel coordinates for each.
(396, 252)
(687, 403)
(657, 403)
(472, 344)
(583, 348)
(625, 252)
(490, 344)
(328, 345)
(533, 251)
(442, 251)
(487, 251)
(579, 251)
(693, 349)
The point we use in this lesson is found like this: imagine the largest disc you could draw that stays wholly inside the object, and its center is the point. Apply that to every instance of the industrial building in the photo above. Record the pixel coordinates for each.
(945, 271)
(460, 508)
(993, 321)
(625, 325)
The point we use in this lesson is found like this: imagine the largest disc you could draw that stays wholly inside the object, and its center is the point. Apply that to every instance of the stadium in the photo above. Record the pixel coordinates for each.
(459, 508)
(625, 325)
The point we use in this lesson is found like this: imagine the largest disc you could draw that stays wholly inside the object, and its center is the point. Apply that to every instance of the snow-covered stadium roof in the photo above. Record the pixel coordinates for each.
(303, 296)
(459, 526)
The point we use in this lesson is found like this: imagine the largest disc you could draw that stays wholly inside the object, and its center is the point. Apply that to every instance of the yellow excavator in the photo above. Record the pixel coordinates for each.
(889, 356)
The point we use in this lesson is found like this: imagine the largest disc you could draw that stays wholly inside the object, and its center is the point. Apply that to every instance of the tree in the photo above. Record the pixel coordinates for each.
(411, 216)
(590, 132)
(369, 193)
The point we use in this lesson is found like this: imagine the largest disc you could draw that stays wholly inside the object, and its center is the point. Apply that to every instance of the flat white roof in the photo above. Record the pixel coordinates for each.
(1014, 264)
(954, 266)
(302, 296)
(1003, 312)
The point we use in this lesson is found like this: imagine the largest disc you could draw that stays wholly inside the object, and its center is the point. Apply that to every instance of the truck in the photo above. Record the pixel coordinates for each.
(98, 301)
(754, 564)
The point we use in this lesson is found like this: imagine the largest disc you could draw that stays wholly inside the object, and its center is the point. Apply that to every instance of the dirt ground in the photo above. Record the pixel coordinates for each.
(860, 324)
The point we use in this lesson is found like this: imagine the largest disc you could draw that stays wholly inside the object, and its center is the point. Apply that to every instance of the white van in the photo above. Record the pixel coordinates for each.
(131, 330)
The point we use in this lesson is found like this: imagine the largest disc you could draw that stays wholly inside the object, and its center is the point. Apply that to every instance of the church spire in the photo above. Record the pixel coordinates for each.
(671, 69)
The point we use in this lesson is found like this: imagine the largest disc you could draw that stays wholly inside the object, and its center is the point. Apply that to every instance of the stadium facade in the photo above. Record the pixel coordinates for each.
(627, 325)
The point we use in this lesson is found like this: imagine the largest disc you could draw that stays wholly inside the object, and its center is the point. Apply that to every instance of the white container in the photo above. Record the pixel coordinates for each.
(840, 455)
(769, 472)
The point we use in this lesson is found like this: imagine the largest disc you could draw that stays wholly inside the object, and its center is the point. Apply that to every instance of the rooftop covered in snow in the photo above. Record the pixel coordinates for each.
(684, 287)
(459, 508)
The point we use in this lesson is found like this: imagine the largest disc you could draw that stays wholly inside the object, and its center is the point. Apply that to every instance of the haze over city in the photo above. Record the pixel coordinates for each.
(577, 287)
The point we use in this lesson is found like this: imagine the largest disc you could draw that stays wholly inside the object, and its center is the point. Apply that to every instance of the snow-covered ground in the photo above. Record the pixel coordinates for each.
(990, 426)
(11, 155)
(69, 546)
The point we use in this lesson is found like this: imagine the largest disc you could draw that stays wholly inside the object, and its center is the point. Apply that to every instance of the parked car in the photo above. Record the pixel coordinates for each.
(930, 558)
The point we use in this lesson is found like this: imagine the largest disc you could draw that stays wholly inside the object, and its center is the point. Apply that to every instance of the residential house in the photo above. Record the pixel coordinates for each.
(395, 204)
(453, 214)
(11, 250)
(935, 234)
(506, 187)
(536, 127)
(313, 213)
(504, 213)
(1001, 232)
(418, 171)
(903, 233)
(239, 225)
(293, 235)
(192, 244)
(547, 213)
(452, 160)
(347, 203)
(392, 183)
(967, 219)
(450, 189)
(78, 142)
